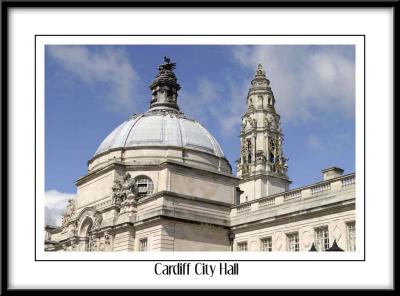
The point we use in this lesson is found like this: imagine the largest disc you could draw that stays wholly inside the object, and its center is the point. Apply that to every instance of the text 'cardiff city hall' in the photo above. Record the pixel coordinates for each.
(160, 182)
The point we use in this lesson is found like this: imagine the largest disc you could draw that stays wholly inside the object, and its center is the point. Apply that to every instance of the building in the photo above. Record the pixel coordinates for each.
(160, 182)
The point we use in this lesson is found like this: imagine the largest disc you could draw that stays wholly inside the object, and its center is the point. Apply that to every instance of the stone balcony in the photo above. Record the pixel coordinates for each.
(336, 191)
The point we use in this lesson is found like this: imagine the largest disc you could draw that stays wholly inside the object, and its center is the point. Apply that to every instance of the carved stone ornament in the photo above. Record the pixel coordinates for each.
(97, 221)
(253, 123)
(244, 123)
(163, 112)
(117, 192)
(93, 243)
(129, 188)
(69, 212)
(260, 156)
(125, 190)
(73, 231)
(107, 241)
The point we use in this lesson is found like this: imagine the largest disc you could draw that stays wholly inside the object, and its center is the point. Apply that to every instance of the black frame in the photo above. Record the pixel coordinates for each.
(6, 5)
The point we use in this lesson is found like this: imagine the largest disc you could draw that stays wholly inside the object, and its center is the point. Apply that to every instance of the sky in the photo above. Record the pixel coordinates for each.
(90, 90)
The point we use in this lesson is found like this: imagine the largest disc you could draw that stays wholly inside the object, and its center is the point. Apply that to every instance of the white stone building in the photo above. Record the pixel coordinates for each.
(160, 182)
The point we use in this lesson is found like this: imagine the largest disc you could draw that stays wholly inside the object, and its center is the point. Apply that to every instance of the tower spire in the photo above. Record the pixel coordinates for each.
(165, 87)
(260, 73)
(261, 139)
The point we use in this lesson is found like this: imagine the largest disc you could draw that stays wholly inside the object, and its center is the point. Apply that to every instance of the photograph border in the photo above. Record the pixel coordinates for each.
(208, 35)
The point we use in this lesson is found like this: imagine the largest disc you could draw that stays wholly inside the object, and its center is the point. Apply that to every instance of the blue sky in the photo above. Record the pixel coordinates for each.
(90, 90)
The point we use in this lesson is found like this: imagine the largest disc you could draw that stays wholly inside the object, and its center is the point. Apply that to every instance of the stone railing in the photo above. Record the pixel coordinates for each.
(297, 195)
(244, 208)
(292, 195)
(320, 188)
(348, 181)
(266, 202)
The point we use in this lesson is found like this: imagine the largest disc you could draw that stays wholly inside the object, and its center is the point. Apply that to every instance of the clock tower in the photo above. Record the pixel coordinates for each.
(262, 165)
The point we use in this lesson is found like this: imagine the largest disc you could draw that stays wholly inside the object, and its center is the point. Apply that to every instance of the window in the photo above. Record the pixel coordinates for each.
(143, 245)
(249, 151)
(351, 236)
(271, 151)
(292, 242)
(321, 238)
(242, 246)
(266, 244)
(144, 185)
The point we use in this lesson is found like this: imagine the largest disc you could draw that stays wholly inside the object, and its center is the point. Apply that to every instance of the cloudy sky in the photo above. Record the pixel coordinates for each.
(90, 90)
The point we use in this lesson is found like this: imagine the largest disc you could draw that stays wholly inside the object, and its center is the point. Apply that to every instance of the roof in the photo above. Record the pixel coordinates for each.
(161, 128)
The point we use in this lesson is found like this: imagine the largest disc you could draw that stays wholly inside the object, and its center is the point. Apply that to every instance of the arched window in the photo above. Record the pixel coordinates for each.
(144, 185)
(272, 151)
(249, 151)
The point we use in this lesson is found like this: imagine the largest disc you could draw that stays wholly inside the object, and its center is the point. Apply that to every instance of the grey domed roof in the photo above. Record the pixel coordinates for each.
(161, 128)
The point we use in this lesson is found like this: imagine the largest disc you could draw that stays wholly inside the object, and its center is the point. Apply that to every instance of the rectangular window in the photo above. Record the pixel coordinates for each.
(242, 246)
(266, 244)
(351, 236)
(143, 245)
(321, 238)
(292, 242)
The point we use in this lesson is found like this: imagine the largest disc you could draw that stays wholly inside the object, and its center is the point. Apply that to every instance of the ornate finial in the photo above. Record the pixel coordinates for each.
(260, 73)
(168, 66)
(165, 87)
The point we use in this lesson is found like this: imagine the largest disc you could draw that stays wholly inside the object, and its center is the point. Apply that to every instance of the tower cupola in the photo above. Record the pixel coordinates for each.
(165, 87)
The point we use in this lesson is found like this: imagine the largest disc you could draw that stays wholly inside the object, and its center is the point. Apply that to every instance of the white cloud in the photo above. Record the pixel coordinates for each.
(55, 203)
(306, 80)
(109, 66)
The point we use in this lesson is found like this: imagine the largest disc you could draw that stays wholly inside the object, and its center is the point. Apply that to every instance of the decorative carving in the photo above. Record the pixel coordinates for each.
(164, 112)
(244, 123)
(253, 123)
(73, 230)
(260, 156)
(125, 190)
(107, 241)
(129, 189)
(93, 243)
(97, 221)
(117, 192)
(69, 212)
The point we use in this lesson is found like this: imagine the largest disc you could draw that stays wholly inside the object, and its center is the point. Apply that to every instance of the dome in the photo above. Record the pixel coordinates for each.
(161, 129)
(163, 133)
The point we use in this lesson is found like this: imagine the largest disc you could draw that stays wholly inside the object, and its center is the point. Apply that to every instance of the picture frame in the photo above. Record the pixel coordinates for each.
(9, 165)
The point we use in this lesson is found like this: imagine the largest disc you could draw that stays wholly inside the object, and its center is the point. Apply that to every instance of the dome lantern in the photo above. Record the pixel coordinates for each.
(164, 89)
